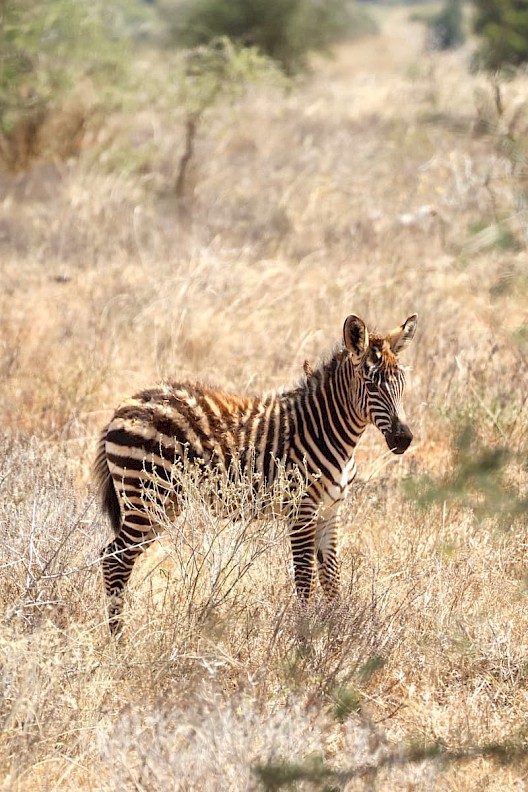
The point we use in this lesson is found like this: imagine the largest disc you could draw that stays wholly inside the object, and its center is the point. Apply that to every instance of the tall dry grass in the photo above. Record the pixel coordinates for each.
(375, 189)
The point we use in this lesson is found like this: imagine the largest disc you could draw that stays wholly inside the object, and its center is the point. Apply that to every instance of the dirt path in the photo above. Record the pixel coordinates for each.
(399, 43)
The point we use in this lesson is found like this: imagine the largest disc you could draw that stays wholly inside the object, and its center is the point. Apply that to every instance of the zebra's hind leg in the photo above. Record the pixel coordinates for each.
(118, 561)
(328, 568)
(326, 552)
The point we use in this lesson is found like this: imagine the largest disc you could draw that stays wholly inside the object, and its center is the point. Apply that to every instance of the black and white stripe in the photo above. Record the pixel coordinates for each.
(309, 431)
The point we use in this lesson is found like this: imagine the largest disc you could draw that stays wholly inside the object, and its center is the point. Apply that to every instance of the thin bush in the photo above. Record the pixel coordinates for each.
(221, 532)
(47, 563)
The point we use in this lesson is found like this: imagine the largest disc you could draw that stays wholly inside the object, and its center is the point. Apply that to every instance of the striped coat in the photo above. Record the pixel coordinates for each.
(309, 432)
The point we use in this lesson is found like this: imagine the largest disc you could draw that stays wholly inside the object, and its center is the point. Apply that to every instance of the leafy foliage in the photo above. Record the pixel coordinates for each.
(503, 26)
(218, 69)
(45, 48)
(446, 30)
(285, 30)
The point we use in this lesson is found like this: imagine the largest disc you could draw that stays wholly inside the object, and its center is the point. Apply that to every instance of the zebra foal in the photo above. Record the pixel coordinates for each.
(311, 430)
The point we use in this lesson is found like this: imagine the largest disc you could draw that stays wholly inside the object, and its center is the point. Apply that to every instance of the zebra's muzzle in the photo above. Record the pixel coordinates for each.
(399, 438)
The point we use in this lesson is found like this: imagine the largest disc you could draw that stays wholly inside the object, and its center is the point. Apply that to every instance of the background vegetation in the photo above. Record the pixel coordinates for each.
(285, 30)
(59, 62)
(504, 30)
(389, 180)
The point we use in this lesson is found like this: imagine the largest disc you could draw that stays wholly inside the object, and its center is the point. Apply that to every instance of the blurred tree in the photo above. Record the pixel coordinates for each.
(285, 30)
(503, 26)
(218, 69)
(446, 30)
(46, 47)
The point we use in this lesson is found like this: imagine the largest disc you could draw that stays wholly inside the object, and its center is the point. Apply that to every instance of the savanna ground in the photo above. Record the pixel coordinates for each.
(389, 181)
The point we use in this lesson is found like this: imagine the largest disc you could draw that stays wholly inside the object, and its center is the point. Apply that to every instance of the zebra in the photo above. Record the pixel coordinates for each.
(311, 429)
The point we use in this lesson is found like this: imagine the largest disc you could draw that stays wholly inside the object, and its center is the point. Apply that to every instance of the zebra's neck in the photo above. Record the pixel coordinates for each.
(328, 410)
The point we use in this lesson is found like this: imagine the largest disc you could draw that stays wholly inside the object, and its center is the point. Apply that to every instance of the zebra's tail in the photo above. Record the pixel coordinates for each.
(109, 501)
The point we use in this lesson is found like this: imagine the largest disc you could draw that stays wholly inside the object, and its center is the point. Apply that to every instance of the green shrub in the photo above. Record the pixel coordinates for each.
(446, 29)
(46, 47)
(285, 30)
(503, 26)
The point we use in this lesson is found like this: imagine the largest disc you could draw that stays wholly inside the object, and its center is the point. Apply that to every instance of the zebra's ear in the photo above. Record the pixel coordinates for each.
(356, 337)
(400, 337)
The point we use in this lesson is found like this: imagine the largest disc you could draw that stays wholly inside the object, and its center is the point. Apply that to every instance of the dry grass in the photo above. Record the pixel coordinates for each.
(379, 186)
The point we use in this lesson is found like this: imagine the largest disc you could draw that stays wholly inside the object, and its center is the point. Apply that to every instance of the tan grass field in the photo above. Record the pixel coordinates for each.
(387, 182)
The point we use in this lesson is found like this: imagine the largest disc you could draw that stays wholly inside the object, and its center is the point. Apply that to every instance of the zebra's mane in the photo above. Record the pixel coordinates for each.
(317, 372)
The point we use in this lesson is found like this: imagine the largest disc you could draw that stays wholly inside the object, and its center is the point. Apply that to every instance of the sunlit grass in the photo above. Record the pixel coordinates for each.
(361, 190)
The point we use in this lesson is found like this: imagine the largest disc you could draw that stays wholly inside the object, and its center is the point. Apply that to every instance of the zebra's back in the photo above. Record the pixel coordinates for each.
(160, 429)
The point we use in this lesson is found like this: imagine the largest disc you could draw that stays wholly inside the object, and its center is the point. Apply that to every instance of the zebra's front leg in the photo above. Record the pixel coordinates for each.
(326, 534)
(302, 540)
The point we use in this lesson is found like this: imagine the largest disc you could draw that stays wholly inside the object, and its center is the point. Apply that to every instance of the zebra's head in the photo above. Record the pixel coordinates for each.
(381, 378)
